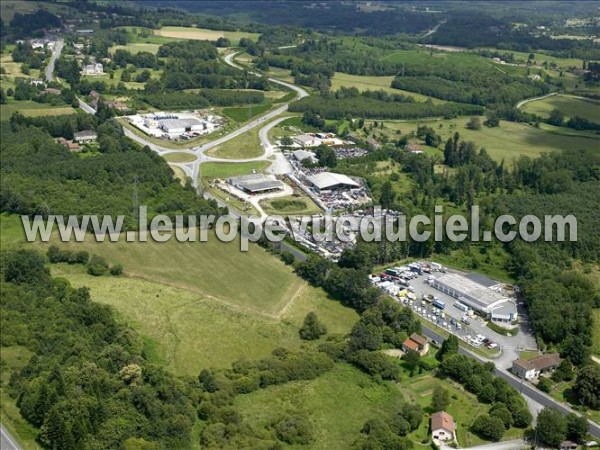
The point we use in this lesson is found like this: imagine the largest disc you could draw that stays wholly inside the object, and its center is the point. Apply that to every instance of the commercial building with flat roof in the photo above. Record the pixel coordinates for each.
(180, 126)
(326, 181)
(481, 298)
(255, 183)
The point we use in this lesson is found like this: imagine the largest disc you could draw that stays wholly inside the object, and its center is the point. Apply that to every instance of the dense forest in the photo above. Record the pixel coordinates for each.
(40, 176)
(377, 104)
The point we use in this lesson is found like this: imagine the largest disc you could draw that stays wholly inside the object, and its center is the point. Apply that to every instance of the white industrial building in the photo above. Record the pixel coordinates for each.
(480, 294)
(179, 126)
(316, 139)
(255, 183)
(328, 181)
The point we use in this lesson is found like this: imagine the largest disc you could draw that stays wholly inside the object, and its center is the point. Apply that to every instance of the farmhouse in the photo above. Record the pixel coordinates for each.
(328, 181)
(255, 183)
(533, 368)
(416, 343)
(443, 427)
(84, 137)
(93, 69)
(479, 293)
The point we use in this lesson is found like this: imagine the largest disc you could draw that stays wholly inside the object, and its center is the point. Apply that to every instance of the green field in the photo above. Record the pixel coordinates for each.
(290, 205)
(136, 47)
(180, 157)
(245, 113)
(14, 358)
(200, 304)
(570, 106)
(224, 170)
(337, 403)
(506, 142)
(246, 145)
(365, 83)
(33, 109)
(186, 331)
(179, 174)
(203, 34)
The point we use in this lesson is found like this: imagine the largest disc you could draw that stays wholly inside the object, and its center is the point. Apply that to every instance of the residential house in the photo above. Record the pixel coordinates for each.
(568, 445)
(533, 368)
(416, 343)
(414, 148)
(70, 145)
(36, 82)
(51, 91)
(86, 136)
(443, 427)
(93, 69)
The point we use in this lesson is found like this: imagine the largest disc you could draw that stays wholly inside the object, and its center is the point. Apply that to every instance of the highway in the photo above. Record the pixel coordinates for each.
(55, 54)
(7, 442)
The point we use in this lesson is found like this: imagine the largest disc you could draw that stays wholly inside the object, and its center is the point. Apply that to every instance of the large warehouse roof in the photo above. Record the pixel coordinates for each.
(328, 180)
(179, 123)
(255, 183)
(477, 293)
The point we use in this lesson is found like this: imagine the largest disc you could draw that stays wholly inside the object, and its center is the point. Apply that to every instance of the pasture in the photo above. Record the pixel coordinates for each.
(180, 157)
(185, 331)
(32, 109)
(570, 106)
(338, 404)
(203, 34)
(505, 142)
(136, 47)
(373, 83)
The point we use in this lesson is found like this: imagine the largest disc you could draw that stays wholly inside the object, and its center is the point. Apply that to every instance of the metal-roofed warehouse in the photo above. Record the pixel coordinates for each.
(255, 183)
(477, 296)
(326, 181)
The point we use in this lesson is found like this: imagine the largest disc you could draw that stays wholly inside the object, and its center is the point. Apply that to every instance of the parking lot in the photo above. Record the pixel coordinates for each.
(471, 328)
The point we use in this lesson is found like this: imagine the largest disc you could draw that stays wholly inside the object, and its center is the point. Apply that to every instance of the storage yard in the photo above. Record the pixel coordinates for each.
(414, 286)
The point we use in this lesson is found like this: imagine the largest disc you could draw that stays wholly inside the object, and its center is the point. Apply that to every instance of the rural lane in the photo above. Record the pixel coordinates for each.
(55, 54)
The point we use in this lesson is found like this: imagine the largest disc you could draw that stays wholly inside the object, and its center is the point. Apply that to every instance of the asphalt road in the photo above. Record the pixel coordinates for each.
(7, 442)
(53, 58)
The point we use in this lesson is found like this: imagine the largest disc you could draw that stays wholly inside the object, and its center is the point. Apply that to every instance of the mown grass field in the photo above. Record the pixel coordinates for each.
(246, 145)
(506, 142)
(245, 113)
(290, 205)
(373, 83)
(32, 109)
(203, 34)
(337, 404)
(136, 47)
(180, 157)
(224, 170)
(570, 106)
(199, 304)
(186, 331)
